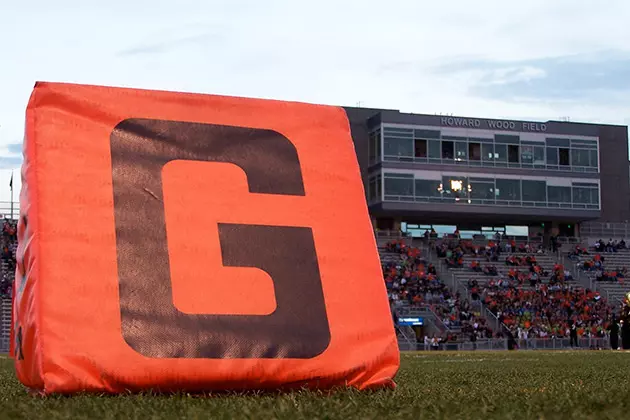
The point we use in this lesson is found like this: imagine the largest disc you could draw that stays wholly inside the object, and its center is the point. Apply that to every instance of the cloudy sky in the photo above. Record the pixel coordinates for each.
(541, 60)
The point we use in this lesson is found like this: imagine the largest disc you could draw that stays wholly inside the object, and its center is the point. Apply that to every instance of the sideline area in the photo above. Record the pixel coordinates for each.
(453, 385)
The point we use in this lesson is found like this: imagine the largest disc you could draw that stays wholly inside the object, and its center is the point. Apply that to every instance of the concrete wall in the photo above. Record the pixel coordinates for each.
(615, 181)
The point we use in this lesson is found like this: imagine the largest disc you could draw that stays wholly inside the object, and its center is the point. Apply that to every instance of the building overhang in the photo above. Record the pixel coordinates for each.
(453, 213)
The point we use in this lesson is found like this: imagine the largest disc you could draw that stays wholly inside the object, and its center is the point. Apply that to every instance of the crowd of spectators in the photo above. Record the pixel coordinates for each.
(415, 281)
(452, 251)
(7, 256)
(529, 301)
(458, 313)
(596, 264)
(610, 246)
(412, 278)
(548, 311)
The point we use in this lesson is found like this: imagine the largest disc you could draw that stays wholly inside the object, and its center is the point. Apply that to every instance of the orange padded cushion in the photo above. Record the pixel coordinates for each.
(183, 242)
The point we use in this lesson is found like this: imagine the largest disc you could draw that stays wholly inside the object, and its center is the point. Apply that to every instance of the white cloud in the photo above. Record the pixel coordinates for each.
(507, 75)
(325, 52)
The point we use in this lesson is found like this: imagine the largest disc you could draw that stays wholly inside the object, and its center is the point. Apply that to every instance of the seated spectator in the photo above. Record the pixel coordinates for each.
(454, 260)
(534, 279)
(596, 263)
(473, 286)
(512, 260)
(8, 245)
(513, 274)
(412, 279)
(475, 266)
(490, 270)
(511, 246)
(544, 311)
(9, 230)
(577, 252)
(611, 246)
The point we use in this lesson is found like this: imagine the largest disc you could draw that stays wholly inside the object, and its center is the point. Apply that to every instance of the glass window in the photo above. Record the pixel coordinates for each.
(513, 153)
(454, 187)
(379, 188)
(581, 195)
(504, 138)
(558, 142)
(428, 134)
(508, 189)
(585, 195)
(461, 150)
(448, 150)
(434, 149)
(583, 143)
(563, 156)
(398, 147)
(595, 195)
(527, 154)
(580, 157)
(487, 152)
(552, 155)
(539, 155)
(372, 147)
(558, 194)
(421, 148)
(474, 151)
(517, 230)
(535, 191)
(372, 189)
(482, 190)
(399, 186)
(378, 145)
(500, 152)
(427, 188)
(593, 159)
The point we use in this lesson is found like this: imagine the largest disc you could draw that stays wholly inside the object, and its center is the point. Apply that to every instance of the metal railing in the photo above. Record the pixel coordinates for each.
(9, 209)
(490, 202)
(488, 163)
(4, 345)
(584, 343)
(383, 233)
(406, 335)
(602, 230)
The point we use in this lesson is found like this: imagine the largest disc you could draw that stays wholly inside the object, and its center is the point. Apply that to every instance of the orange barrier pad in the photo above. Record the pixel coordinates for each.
(174, 241)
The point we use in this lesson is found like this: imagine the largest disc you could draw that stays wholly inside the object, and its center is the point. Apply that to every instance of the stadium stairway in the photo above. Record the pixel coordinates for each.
(5, 324)
(432, 322)
(457, 278)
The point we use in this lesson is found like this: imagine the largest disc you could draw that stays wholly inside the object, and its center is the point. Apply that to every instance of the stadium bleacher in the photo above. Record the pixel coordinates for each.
(449, 298)
(501, 293)
(611, 277)
(8, 245)
(416, 290)
(465, 274)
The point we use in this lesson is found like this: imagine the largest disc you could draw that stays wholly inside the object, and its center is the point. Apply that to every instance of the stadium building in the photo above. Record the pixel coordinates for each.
(487, 175)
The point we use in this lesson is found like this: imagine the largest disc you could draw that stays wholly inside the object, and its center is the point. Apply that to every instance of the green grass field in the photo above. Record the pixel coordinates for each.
(488, 385)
